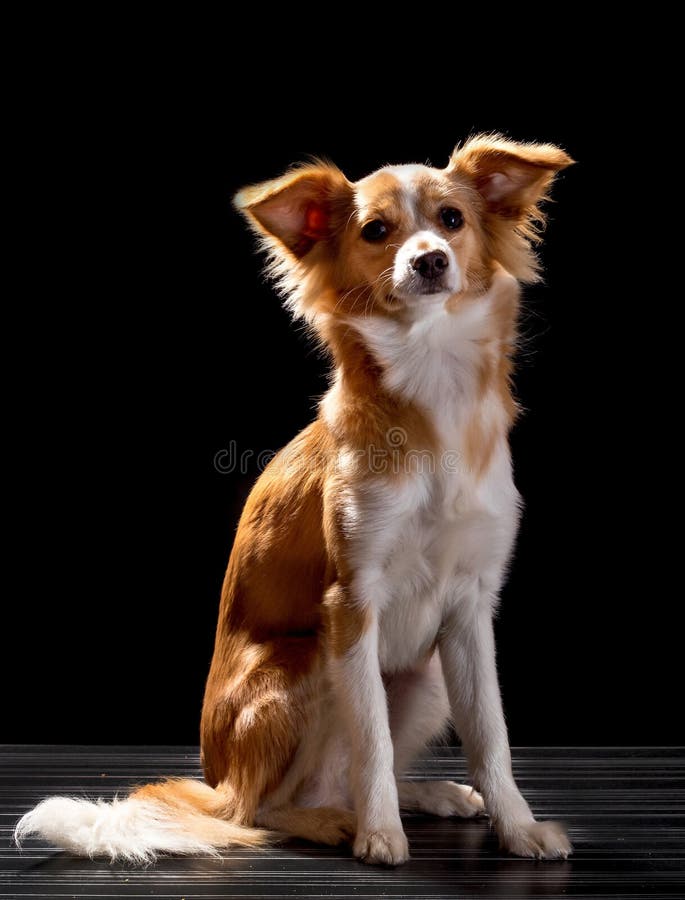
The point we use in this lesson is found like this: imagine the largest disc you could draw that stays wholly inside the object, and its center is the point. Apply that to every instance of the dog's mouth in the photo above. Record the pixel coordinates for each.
(431, 288)
(415, 293)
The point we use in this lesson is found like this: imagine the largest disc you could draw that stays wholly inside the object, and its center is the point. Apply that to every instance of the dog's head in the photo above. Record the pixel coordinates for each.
(406, 237)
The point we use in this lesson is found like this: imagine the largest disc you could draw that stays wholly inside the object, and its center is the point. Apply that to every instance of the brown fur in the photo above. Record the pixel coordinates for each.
(322, 825)
(345, 622)
(495, 377)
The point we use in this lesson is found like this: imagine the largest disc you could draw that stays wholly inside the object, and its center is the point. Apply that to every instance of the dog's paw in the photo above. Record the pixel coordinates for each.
(541, 840)
(440, 798)
(385, 847)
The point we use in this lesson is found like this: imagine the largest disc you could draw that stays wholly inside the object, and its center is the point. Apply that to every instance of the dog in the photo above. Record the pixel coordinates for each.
(356, 613)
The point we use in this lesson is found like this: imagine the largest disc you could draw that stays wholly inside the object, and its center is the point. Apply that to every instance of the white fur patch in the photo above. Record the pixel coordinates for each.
(132, 830)
(403, 273)
(433, 360)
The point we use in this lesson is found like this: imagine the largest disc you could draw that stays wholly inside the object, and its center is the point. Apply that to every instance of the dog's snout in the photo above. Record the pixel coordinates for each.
(430, 265)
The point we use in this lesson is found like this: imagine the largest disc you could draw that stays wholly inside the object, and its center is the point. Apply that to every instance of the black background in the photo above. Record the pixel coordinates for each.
(146, 341)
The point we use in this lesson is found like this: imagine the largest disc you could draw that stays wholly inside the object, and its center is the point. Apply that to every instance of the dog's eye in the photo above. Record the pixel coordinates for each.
(451, 218)
(373, 231)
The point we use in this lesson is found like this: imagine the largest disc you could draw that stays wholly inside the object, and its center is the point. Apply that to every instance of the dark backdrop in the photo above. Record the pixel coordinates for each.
(147, 341)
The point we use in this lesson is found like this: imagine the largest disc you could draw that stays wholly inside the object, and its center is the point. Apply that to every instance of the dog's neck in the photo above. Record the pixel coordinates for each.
(441, 368)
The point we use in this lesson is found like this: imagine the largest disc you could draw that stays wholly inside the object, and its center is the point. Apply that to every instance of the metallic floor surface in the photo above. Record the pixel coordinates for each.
(624, 807)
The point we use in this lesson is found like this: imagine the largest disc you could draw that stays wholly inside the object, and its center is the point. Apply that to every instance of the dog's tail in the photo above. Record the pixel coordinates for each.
(178, 816)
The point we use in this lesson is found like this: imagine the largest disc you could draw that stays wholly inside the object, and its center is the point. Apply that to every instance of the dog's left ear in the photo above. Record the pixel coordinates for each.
(299, 209)
(512, 178)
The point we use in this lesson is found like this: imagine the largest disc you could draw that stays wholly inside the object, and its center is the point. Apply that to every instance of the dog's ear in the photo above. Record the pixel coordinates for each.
(512, 178)
(299, 209)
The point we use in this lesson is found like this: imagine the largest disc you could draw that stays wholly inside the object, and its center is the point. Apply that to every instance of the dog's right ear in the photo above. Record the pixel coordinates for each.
(299, 209)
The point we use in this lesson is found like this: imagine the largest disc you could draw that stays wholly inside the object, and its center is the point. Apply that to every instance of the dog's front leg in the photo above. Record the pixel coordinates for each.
(352, 638)
(467, 650)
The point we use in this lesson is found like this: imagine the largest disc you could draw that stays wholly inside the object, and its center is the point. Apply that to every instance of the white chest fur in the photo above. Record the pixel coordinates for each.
(427, 540)
(450, 546)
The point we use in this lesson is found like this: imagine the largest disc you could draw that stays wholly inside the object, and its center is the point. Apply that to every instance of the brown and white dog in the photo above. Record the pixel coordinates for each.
(356, 614)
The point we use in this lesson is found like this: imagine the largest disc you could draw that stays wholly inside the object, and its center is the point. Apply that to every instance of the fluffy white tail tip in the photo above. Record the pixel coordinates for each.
(131, 830)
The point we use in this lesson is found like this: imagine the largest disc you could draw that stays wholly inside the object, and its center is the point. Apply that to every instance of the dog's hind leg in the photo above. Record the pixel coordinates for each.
(253, 724)
(322, 824)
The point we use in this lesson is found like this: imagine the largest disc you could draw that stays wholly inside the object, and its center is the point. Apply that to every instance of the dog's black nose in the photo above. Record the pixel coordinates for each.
(431, 265)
